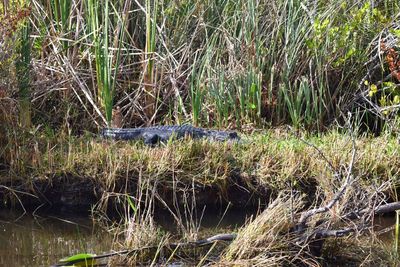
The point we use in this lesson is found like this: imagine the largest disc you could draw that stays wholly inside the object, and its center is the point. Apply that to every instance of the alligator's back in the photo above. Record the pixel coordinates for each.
(152, 135)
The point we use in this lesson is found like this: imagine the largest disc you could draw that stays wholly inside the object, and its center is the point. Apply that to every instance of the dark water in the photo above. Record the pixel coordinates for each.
(384, 228)
(42, 241)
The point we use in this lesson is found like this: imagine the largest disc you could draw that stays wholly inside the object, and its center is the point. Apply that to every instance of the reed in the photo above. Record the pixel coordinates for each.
(23, 69)
(221, 63)
(149, 54)
(98, 15)
(60, 13)
(196, 95)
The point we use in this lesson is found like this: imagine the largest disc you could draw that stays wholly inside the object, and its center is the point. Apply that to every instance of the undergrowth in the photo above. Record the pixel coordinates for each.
(225, 63)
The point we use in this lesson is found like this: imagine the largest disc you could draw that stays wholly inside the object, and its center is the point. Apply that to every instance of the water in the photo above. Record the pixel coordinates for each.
(384, 228)
(42, 241)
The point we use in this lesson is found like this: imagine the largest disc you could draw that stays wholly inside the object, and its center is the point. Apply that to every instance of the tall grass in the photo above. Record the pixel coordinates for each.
(215, 63)
(149, 75)
(61, 11)
(196, 95)
(99, 30)
(23, 71)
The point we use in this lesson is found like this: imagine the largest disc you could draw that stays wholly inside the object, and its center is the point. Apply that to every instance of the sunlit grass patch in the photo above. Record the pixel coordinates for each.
(270, 160)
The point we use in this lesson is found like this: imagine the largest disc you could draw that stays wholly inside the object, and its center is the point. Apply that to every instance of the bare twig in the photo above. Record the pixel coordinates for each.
(198, 243)
(348, 181)
(319, 153)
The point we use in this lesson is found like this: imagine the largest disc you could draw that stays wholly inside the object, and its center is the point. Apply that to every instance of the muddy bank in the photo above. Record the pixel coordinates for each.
(80, 194)
(78, 172)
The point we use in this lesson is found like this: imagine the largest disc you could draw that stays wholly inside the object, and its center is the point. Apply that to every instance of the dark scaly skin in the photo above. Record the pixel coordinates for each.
(153, 135)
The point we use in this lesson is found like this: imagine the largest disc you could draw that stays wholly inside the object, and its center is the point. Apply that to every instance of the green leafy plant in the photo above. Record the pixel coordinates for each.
(61, 10)
(83, 260)
(23, 71)
(302, 105)
(149, 75)
(98, 15)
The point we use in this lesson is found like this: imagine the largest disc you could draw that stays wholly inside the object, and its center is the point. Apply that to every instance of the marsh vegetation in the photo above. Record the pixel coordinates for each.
(311, 86)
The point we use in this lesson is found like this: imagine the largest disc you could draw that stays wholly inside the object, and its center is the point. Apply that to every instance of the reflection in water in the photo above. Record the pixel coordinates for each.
(210, 219)
(42, 241)
(384, 228)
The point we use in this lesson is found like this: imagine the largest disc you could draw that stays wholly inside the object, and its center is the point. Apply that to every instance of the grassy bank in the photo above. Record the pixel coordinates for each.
(271, 160)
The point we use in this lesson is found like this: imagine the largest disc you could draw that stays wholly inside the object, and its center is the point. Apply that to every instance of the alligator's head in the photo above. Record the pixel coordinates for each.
(225, 136)
(233, 136)
(151, 138)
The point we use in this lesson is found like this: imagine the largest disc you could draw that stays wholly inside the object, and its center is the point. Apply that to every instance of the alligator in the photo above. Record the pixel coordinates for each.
(156, 134)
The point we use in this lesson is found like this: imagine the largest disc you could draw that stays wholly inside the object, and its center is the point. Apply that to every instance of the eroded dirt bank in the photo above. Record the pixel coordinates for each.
(79, 172)
(82, 193)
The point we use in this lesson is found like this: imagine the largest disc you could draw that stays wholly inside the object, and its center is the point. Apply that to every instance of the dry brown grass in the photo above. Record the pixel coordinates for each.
(366, 250)
(270, 161)
(266, 240)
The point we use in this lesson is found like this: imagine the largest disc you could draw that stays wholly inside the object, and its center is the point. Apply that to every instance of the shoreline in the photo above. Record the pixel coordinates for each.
(275, 173)
(77, 172)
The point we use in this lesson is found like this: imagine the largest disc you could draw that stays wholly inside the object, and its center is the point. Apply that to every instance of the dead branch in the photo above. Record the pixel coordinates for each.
(357, 209)
(387, 208)
(348, 181)
(362, 204)
(198, 243)
(333, 233)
